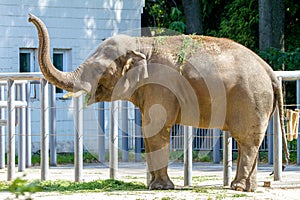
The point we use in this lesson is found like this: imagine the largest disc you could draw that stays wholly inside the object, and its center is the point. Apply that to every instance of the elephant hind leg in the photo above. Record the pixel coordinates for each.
(245, 179)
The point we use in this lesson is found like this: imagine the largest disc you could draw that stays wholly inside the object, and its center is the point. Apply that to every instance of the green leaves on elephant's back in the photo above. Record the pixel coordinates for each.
(188, 46)
(158, 43)
(181, 47)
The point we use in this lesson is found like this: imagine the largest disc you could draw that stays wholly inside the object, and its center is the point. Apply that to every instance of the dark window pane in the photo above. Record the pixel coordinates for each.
(24, 62)
(58, 62)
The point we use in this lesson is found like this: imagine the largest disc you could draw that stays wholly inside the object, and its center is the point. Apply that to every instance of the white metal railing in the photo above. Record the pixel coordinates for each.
(21, 76)
(277, 140)
(11, 104)
(288, 75)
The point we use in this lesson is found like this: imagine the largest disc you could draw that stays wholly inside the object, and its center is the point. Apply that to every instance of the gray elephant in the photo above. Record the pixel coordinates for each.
(191, 80)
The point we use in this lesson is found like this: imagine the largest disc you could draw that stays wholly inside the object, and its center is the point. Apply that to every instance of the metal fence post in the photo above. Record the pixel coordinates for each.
(188, 155)
(78, 138)
(277, 144)
(298, 139)
(101, 134)
(298, 149)
(28, 127)
(52, 126)
(216, 145)
(22, 129)
(138, 135)
(44, 120)
(124, 131)
(113, 144)
(270, 133)
(2, 131)
(227, 158)
(11, 143)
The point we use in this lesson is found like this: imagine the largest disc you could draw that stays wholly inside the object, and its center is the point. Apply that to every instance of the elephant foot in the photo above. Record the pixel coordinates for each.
(159, 184)
(243, 186)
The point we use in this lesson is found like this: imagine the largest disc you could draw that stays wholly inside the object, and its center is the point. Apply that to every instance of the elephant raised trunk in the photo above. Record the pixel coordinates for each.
(64, 80)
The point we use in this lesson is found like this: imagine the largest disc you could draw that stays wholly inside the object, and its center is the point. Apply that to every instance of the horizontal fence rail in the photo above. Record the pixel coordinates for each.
(288, 75)
(21, 76)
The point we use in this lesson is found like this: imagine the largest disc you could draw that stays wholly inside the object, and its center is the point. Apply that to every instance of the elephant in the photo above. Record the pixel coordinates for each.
(192, 80)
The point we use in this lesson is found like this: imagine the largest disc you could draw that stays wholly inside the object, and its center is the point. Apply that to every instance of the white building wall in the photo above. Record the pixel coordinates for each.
(79, 26)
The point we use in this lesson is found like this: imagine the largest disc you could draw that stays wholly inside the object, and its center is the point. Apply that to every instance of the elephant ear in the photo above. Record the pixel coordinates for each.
(134, 72)
(137, 61)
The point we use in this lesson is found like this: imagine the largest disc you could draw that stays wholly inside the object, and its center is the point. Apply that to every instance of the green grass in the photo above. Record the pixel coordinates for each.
(209, 189)
(20, 187)
(4, 185)
(199, 179)
(217, 192)
(239, 195)
(198, 156)
(66, 158)
(133, 177)
(23, 188)
(212, 192)
(64, 186)
(166, 198)
(204, 178)
(92, 186)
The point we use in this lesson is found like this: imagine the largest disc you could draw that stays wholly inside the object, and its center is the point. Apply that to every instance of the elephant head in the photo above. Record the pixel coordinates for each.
(98, 74)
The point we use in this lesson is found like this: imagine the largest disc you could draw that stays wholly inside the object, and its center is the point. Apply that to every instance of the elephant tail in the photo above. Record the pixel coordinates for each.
(279, 100)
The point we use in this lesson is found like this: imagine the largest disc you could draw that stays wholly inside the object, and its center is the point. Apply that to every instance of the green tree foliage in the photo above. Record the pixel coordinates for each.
(211, 15)
(234, 19)
(292, 25)
(290, 58)
(277, 58)
(165, 14)
(240, 22)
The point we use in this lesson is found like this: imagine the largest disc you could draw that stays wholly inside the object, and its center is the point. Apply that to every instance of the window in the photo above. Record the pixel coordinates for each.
(24, 62)
(27, 60)
(58, 59)
(62, 61)
(28, 63)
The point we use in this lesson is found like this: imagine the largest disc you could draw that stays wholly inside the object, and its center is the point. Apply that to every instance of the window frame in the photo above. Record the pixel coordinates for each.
(34, 89)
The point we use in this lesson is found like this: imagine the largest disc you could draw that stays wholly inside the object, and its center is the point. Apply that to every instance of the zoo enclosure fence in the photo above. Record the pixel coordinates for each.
(129, 130)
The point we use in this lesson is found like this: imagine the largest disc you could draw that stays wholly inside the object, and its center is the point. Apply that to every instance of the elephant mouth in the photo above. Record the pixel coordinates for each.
(87, 100)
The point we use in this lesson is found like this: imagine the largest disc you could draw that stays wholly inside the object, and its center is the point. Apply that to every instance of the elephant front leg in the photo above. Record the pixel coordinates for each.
(157, 119)
(157, 157)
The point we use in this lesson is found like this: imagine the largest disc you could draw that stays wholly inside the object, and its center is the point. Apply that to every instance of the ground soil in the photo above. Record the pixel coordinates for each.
(207, 183)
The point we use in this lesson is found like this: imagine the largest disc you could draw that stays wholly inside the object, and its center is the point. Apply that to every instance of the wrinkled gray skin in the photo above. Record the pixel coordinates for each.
(199, 81)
